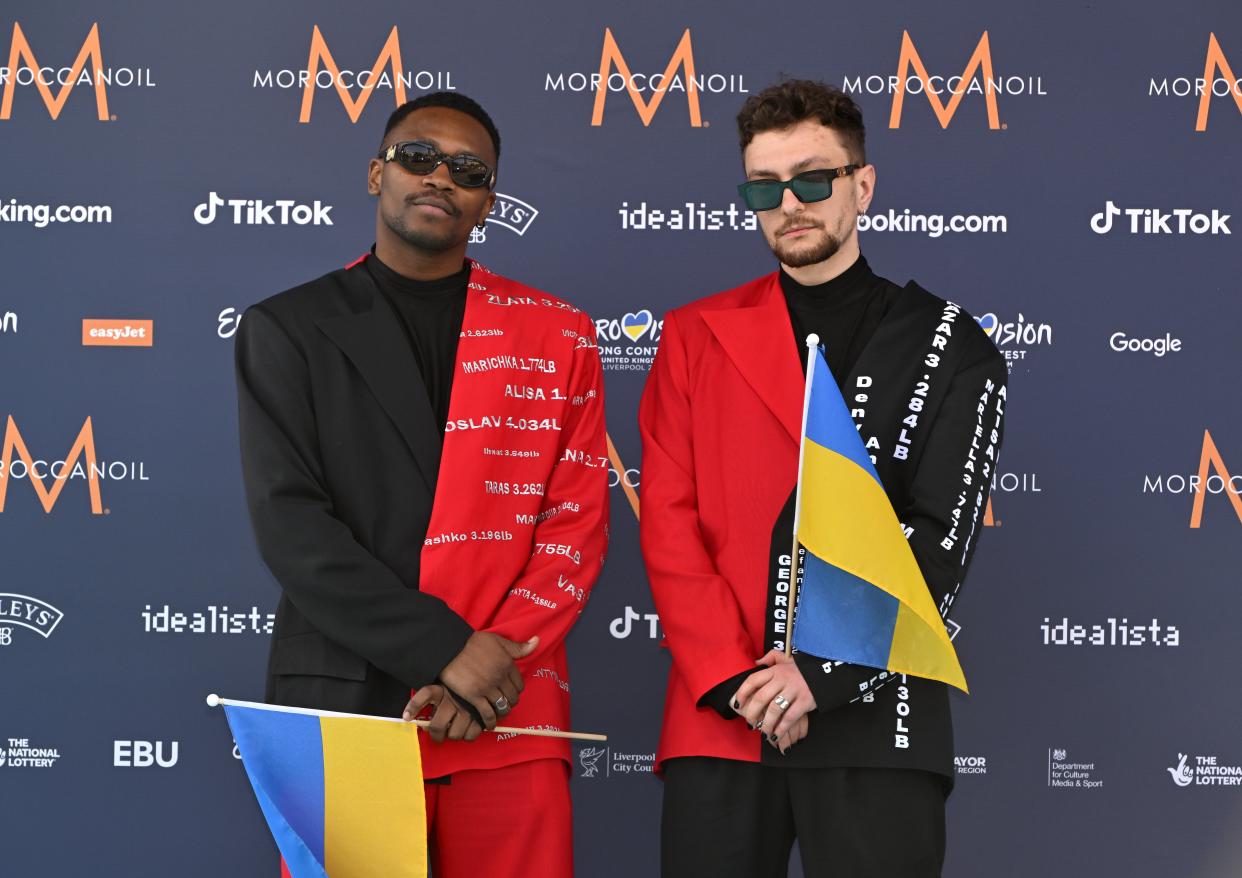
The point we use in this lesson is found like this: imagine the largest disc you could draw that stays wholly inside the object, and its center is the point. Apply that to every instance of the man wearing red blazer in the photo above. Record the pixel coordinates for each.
(424, 456)
(759, 748)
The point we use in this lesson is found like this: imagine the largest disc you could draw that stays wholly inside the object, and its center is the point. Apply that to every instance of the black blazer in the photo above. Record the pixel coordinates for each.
(340, 453)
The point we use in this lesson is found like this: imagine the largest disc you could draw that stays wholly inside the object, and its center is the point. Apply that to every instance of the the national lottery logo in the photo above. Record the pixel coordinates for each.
(1204, 771)
(324, 73)
(257, 212)
(20, 753)
(1158, 221)
(1217, 81)
(628, 343)
(54, 80)
(647, 88)
(509, 213)
(24, 611)
(945, 93)
(1211, 479)
(1014, 338)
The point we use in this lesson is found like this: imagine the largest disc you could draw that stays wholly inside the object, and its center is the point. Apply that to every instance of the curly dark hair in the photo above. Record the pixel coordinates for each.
(796, 100)
(453, 100)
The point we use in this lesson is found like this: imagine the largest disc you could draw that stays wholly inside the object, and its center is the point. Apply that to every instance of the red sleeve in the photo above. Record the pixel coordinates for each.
(701, 617)
(571, 536)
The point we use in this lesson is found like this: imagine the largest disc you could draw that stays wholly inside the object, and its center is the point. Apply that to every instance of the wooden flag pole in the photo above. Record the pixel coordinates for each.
(812, 346)
(214, 700)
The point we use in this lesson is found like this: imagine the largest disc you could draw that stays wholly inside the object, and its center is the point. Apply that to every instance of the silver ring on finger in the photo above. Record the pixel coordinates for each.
(501, 704)
(782, 702)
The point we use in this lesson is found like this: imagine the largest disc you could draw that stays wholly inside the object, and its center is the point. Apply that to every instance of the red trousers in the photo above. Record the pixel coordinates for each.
(511, 822)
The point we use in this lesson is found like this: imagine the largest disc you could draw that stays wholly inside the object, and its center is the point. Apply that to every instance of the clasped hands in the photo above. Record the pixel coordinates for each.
(775, 701)
(484, 675)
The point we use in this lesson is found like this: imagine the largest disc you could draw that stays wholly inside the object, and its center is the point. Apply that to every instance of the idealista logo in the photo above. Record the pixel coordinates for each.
(1212, 478)
(615, 75)
(26, 612)
(508, 212)
(257, 212)
(1112, 632)
(1218, 81)
(1153, 221)
(323, 72)
(118, 333)
(81, 462)
(1207, 771)
(979, 78)
(25, 71)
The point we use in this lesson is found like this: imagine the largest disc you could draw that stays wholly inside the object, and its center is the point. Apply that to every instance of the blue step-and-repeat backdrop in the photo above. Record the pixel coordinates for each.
(1066, 172)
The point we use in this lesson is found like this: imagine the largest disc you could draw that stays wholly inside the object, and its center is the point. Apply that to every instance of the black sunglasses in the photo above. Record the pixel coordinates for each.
(808, 186)
(421, 158)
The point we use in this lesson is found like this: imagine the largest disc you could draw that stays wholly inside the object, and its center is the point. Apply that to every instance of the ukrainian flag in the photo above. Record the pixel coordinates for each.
(342, 794)
(863, 598)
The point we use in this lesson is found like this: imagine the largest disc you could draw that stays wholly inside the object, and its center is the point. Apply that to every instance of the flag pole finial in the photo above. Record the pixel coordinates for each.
(213, 700)
(812, 340)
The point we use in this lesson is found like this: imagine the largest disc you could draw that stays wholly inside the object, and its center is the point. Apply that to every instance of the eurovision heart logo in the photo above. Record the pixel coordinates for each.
(988, 323)
(636, 325)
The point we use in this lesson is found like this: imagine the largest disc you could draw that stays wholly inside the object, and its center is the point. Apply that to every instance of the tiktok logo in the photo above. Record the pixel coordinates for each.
(620, 627)
(1153, 221)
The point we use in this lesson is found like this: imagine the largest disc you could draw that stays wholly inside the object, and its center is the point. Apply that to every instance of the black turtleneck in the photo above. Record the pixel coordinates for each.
(843, 312)
(431, 312)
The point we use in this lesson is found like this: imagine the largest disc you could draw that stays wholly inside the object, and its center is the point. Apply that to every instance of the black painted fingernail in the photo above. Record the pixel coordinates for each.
(772, 737)
(736, 704)
(760, 725)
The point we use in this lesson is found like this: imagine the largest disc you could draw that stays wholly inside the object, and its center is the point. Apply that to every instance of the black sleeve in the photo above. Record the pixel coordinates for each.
(719, 697)
(944, 508)
(347, 593)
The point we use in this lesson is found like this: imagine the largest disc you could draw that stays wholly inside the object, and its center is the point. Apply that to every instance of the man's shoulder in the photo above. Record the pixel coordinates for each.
(539, 306)
(323, 296)
(746, 295)
(977, 344)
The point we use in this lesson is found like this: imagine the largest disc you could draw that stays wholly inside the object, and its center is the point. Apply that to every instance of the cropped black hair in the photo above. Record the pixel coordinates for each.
(452, 100)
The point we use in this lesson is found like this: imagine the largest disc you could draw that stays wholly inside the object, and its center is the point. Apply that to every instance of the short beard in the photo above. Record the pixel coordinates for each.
(428, 242)
(804, 256)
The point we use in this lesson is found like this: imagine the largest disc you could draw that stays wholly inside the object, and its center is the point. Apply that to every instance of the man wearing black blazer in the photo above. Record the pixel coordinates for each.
(374, 431)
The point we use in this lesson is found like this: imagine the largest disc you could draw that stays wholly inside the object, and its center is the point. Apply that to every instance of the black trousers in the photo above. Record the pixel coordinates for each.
(728, 819)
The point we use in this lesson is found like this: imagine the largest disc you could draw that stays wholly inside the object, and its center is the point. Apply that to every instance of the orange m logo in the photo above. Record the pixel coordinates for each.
(20, 55)
(84, 444)
(980, 60)
(390, 53)
(1216, 61)
(683, 56)
(1209, 459)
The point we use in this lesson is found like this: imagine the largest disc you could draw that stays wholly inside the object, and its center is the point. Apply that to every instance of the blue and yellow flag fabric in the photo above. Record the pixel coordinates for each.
(343, 795)
(863, 598)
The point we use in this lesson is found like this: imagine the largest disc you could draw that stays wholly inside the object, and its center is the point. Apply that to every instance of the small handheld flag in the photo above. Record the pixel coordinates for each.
(863, 598)
(342, 794)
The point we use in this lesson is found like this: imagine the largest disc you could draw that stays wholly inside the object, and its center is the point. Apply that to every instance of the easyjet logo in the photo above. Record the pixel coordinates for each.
(322, 72)
(59, 471)
(945, 93)
(647, 90)
(118, 333)
(24, 69)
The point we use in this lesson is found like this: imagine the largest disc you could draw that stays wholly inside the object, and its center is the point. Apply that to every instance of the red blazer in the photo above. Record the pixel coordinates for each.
(711, 471)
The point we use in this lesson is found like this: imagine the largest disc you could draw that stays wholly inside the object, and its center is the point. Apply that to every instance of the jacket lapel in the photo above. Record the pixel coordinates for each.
(372, 338)
(758, 339)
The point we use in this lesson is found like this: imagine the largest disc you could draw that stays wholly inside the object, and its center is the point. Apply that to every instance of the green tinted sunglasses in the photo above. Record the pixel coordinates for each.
(808, 186)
